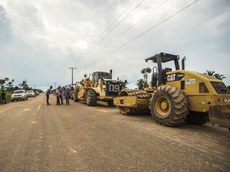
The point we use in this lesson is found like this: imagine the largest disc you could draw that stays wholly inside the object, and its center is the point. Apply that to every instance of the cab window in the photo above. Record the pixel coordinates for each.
(203, 88)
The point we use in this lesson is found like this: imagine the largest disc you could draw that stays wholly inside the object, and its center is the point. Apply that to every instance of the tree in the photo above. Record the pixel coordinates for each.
(218, 76)
(24, 85)
(209, 72)
(148, 70)
(3, 81)
(16, 88)
(10, 85)
(214, 74)
(145, 72)
(140, 84)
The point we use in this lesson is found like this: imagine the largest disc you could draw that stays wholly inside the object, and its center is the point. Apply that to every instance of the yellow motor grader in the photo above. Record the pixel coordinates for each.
(178, 95)
(98, 86)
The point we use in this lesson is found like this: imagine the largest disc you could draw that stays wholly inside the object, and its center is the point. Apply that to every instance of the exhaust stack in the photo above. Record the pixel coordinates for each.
(183, 63)
(111, 73)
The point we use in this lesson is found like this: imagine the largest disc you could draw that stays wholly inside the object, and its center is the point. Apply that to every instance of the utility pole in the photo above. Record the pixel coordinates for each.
(72, 68)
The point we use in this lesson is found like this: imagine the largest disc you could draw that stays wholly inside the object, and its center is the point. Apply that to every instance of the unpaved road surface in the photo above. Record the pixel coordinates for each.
(37, 137)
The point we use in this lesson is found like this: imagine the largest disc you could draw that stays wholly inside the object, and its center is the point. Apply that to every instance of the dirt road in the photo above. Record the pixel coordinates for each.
(37, 137)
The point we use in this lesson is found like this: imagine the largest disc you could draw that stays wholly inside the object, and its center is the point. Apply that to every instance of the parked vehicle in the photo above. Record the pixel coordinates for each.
(30, 93)
(19, 95)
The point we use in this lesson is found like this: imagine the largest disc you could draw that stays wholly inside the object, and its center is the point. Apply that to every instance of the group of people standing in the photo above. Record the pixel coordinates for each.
(61, 93)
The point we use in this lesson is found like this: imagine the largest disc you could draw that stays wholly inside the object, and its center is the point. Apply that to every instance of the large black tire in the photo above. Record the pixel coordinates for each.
(169, 106)
(91, 99)
(110, 103)
(197, 118)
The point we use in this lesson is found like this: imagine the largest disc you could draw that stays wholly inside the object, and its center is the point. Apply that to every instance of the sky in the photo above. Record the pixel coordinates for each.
(41, 39)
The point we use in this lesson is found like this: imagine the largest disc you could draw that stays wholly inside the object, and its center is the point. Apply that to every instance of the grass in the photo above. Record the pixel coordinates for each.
(8, 97)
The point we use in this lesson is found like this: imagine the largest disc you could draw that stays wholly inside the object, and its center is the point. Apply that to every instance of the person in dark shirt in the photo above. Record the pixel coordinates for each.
(48, 95)
(58, 94)
(3, 96)
(67, 94)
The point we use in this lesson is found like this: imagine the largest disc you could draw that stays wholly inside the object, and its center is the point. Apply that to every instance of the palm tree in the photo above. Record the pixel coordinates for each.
(10, 85)
(218, 76)
(145, 72)
(24, 85)
(209, 72)
(214, 74)
(140, 84)
(148, 70)
(3, 81)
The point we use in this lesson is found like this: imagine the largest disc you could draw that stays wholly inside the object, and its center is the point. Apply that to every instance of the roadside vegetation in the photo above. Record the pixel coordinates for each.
(8, 86)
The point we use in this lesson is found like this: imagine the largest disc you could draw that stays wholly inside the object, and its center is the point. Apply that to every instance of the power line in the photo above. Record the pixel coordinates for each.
(95, 41)
(117, 37)
(146, 31)
(137, 22)
(151, 28)
(123, 19)
(103, 37)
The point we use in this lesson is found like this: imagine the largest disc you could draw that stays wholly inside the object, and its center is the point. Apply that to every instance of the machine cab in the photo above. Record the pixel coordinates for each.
(159, 74)
(100, 75)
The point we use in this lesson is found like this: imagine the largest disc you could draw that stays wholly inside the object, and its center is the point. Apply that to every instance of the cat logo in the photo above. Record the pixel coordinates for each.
(171, 77)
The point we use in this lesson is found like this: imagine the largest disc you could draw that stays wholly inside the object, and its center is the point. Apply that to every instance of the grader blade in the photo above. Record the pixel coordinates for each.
(220, 115)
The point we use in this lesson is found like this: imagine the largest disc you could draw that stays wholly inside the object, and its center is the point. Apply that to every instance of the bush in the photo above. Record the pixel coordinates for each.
(8, 97)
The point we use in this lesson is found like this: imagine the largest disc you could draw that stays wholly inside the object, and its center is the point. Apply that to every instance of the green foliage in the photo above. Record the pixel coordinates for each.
(24, 85)
(143, 83)
(146, 70)
(140, 83)
(8, 97)
(214, 74)
(3, 81)
(8, 85)
(16, 88)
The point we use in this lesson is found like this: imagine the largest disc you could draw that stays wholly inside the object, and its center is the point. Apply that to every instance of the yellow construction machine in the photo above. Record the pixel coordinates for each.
(98, 87)
(178, 95)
